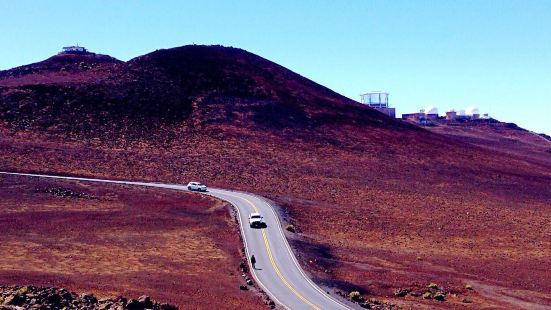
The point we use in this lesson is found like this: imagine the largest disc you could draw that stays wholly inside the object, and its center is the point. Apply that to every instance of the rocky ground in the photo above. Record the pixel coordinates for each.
(379, 206)
(115, 240)
(51, 298)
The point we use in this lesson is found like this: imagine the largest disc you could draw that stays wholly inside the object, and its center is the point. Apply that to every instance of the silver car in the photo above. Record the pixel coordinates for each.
(196, 186)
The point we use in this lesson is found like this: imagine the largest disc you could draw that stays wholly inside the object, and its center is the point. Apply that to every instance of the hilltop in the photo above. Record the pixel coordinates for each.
(378, 204)
(100, 95)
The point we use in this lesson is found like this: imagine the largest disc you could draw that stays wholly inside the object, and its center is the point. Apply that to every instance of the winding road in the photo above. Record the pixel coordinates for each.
(277, 270)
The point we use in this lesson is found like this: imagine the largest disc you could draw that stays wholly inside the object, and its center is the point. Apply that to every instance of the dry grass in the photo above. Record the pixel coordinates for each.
(133, 241)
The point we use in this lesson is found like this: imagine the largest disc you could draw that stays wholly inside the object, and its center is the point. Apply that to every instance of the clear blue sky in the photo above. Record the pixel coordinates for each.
(495, 55)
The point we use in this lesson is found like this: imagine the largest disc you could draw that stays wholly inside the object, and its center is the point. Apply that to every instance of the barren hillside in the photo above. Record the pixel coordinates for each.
(378, 204)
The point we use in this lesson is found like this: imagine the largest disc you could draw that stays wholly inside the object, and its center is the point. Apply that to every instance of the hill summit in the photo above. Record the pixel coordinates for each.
(191, 86)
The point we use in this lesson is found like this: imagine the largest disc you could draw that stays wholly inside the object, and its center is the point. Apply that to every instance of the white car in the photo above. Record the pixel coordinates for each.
(256, 220)
(196, 186)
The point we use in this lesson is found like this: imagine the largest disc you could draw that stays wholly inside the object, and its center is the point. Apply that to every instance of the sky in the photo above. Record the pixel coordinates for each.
(495, 55)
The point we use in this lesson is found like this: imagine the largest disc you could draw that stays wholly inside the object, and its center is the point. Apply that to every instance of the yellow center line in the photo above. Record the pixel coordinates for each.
(274, 265)
(282, 277)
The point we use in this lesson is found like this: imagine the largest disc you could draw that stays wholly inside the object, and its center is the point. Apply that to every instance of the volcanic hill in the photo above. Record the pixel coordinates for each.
(379, 205)
(193, 86)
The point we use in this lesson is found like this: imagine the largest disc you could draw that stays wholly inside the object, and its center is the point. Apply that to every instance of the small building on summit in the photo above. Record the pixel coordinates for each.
(419, 116)
(451, 115)
(74, 50)
(431, 112)
(473, 112)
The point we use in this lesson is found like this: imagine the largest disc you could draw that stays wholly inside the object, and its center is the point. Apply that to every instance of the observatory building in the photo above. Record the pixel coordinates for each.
(473, 112)
(379, 101)
(431, 112)
(416, 117)
(451, 115)
(74, 50)
(427, 116)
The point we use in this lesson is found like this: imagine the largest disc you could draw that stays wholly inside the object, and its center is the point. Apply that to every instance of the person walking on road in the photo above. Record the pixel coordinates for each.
(253, 261)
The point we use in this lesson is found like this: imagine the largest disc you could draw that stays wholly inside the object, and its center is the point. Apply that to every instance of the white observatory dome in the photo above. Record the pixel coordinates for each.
(472, 110)
(431, 110)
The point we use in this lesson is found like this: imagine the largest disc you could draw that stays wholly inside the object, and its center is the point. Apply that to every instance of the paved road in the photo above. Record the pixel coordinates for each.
(278, 272)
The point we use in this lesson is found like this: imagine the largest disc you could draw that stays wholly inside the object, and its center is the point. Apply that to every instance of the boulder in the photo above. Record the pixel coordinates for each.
(54, 299)
(146, 301)
(8, 300)
(133, 304)
(439, 296)
(401, 292)
(168, 307)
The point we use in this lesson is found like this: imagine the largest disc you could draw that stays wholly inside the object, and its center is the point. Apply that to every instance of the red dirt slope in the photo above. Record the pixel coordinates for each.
(500, 137)
(378, 204)
(113, 240)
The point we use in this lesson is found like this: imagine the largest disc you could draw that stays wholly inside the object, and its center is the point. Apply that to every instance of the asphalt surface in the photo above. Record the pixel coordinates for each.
(277, 271)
